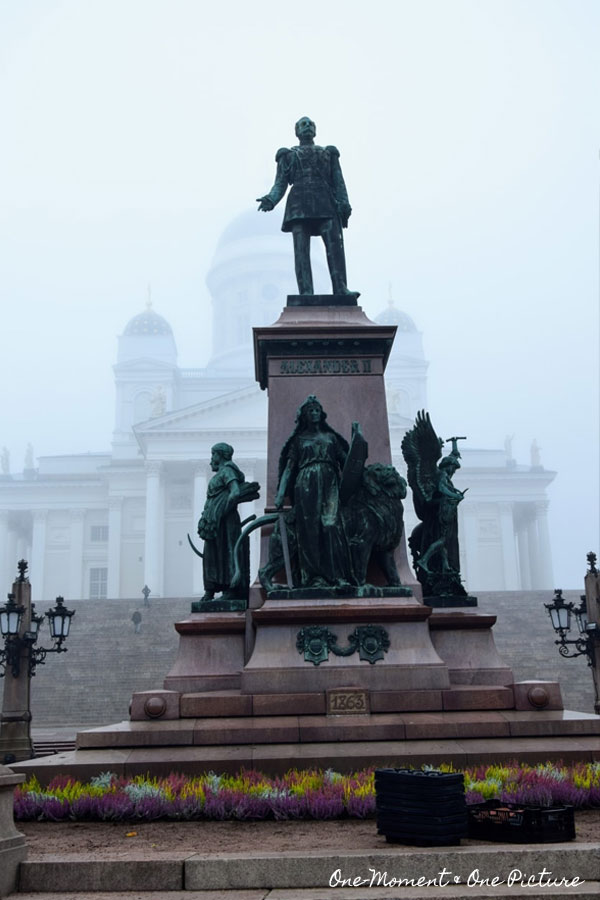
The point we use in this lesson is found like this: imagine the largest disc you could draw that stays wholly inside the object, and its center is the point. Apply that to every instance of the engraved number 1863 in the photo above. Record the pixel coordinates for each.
(347, 702)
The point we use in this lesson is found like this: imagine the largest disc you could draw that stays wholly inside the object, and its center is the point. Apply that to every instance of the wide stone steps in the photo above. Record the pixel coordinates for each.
(591, 889)
(276, 759)
(50, 747)
(463, 871)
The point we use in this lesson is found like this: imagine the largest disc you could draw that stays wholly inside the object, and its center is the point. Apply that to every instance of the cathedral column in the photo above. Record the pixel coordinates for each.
(524, 563)
(38, 550)
(509, 550)
(12, 555)
(113, 584)
(534, 552)
(200, 482)
(546, 578)
(154, 528)
(5, 562)
(75, 586)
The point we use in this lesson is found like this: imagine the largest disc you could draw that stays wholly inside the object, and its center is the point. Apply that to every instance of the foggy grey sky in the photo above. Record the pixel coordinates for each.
(133, 131)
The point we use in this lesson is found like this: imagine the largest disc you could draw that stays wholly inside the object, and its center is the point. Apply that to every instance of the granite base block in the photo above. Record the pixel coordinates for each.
(405, 701)
(13, 846)
(102, 875)
(342, 756)
(478, 697)
(13, 852)
(154, 705)
(449, 601)
(215, 703)
(263, 730)
(537, 695)
(289, 704)
(349, 299)
(210, 655)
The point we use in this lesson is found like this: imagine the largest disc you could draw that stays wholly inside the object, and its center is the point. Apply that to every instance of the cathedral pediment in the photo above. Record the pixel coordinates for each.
(239, 411)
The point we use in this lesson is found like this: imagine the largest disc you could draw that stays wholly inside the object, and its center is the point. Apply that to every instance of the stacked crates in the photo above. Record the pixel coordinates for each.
(421, 808)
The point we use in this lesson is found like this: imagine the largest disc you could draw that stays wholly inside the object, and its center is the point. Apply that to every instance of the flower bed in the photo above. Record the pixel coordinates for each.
(312, 794)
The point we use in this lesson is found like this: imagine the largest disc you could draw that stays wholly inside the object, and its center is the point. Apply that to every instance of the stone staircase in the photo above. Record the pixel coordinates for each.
(463, 871)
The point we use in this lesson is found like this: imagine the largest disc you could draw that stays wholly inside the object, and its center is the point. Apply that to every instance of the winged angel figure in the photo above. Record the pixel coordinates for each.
(434, 541)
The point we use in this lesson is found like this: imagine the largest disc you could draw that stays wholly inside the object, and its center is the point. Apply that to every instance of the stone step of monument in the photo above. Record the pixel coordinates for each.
(48, 747)
(386, 873)
(303, 729)
(227, 704)
(276, 759)
(96, 688)
(453, 892)
(590, 889)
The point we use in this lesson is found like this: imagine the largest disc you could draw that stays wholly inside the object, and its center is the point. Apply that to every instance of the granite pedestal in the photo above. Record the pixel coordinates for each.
(310, 679)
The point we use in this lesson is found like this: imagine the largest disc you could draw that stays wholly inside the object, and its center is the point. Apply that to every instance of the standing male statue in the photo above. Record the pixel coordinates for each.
(317, 205)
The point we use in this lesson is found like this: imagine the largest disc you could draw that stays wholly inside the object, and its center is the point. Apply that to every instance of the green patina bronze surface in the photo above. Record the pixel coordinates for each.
(434, 541)
(316, 642)
(317, 205)
(310, 471)
(344, 516)
(220, 527)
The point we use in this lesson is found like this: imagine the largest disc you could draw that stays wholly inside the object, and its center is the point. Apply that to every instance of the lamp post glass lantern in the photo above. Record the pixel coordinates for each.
(560, 612)
(59, 620)
(10, 617)
(34, 624)
(20, 627)
(19, 657)
(587, 617)
(581, 615)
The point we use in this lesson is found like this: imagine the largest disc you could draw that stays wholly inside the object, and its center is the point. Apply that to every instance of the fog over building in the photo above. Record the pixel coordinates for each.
(104, 524)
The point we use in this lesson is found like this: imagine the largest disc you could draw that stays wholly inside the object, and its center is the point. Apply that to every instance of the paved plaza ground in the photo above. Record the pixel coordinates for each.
(155, 840)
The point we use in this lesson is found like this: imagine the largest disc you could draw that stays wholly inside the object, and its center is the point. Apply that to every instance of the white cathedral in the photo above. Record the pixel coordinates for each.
(104, 524)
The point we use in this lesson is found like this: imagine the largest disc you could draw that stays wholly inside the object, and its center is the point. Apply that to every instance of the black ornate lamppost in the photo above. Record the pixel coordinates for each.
(587, 617)
(20, 628)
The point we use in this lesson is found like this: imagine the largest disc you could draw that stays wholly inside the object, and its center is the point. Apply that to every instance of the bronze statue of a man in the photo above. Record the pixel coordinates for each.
(317, 204)
(220, 525)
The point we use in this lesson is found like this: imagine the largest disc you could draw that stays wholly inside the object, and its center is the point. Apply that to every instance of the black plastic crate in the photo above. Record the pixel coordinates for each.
(518, 823)
(423, 808)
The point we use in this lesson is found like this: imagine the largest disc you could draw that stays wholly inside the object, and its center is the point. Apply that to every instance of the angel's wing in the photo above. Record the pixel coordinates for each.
(422, 448)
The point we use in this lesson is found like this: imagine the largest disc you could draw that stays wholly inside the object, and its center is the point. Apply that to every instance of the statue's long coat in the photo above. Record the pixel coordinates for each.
(318, 189)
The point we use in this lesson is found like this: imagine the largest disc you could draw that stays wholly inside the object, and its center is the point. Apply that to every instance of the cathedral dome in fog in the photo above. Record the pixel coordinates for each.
(147, 323)
(251, 274)
(147, 336)
(394, 316)
(250, 224)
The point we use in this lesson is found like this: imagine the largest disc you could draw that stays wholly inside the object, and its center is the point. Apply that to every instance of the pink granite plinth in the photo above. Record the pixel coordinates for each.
(277, 666)
(211, 653)
(476, 697)
(154, 705)
(405, 701)
(288, 704)
(465, 642)
(340, 355)
(373, 727)
(343, 756)
(215, 703)
(229, 704)
(537, 695)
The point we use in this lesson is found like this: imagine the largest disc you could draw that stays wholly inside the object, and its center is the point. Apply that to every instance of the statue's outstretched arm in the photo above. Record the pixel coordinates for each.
(270, 200)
